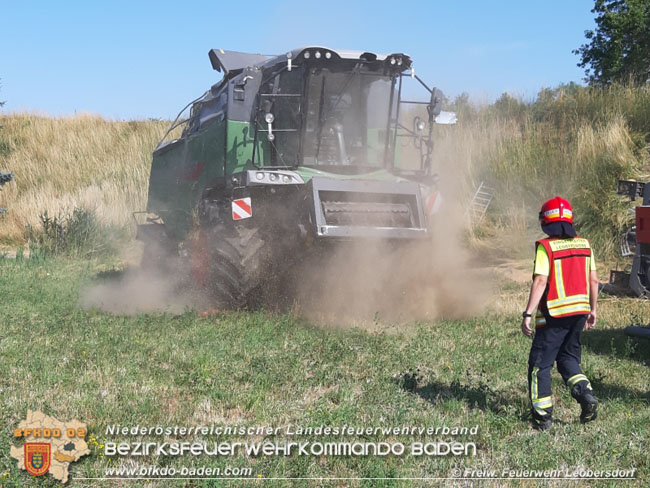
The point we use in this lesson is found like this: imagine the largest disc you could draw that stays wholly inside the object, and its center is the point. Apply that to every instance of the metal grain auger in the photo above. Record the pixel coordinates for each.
(287, 155)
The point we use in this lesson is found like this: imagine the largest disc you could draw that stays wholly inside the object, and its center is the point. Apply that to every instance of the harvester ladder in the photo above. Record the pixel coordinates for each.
(480, 202)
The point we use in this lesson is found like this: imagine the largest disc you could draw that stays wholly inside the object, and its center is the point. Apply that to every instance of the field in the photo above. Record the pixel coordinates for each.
(260, 368)
(279, 369)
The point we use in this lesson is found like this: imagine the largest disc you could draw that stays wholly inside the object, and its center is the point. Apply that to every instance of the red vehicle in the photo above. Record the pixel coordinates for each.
(636, 242)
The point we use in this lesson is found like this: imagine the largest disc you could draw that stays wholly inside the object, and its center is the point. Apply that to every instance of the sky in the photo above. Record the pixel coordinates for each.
(142, 59)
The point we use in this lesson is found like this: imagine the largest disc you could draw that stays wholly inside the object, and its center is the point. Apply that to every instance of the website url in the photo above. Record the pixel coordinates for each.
(170, 471)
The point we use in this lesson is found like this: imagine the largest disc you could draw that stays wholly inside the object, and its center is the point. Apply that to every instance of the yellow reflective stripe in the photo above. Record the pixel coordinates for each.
(539, 404)
(580, 307)
(533, 385)
(568, 300)
(543, 402)
(587, 268)
(559, 279)
(576, 378)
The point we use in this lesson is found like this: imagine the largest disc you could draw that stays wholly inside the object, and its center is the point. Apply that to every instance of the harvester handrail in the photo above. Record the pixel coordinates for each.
(176, 122)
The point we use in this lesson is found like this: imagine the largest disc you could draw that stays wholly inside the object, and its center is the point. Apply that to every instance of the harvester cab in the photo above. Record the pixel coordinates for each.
(290, 151)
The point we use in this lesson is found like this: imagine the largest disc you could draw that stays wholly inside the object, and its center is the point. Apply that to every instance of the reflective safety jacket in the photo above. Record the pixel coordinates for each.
(567, 290)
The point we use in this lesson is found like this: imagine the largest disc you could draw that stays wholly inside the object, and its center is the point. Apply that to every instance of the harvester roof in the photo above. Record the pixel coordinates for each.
(232, 62)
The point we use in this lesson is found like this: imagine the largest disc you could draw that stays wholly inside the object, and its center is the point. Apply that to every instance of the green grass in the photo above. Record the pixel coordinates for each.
(272, 369)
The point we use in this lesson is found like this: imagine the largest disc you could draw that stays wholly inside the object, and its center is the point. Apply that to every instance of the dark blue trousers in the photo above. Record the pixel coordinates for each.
(556, 342)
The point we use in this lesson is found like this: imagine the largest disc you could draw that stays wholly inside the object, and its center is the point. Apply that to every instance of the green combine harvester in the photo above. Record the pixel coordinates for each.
(286, 156)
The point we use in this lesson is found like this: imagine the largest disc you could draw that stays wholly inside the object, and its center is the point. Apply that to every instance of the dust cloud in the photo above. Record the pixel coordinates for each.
(140, 288)
(366, 281)
(356, 283)
(133, 291)
(378, 281)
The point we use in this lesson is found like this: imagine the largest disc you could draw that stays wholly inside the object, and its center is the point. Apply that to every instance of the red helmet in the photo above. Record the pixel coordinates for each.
(556, 210)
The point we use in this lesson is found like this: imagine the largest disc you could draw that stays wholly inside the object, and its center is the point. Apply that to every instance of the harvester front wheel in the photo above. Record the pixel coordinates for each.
(237, 260)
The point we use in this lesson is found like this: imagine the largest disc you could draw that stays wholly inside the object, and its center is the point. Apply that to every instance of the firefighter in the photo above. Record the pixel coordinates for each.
(562, 302)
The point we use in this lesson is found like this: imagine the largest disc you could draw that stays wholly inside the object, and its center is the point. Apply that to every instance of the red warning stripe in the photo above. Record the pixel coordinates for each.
(242, 209)
(243, 205)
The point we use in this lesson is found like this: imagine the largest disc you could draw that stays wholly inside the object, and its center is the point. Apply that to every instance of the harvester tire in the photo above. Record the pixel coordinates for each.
(236, 264)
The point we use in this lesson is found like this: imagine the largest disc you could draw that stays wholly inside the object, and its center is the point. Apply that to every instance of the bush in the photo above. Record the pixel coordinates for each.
(77, 234)
(575, 142)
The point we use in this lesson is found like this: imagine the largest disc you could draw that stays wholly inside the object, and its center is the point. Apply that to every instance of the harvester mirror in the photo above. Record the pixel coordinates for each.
(435, 105)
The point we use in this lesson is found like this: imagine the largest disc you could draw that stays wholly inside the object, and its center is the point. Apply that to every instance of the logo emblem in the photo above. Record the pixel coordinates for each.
(37, 457)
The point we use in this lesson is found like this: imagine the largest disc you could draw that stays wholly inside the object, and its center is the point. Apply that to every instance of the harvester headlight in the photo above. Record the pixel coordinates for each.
(392, 61)
(307, 55)
(317, 54)
(399, 62)
(262, 177)
(421, 125)
(269, 118)
(328, 55)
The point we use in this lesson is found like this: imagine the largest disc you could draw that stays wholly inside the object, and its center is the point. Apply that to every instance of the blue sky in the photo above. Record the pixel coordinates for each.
(140, 59)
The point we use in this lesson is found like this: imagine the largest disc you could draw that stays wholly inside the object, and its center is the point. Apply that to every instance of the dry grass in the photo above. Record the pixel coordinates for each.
(572, 141)
(552, 148)
(77, 161)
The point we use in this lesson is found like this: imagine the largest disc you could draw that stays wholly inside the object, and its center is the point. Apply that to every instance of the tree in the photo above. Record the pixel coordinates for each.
(619, 49)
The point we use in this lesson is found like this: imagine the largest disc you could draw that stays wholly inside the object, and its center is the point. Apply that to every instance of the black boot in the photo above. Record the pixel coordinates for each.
(587, 402)
(542, 422)
(589, 408)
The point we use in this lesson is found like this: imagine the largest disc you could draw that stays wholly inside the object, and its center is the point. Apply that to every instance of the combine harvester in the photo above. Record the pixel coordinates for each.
(286, 156)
